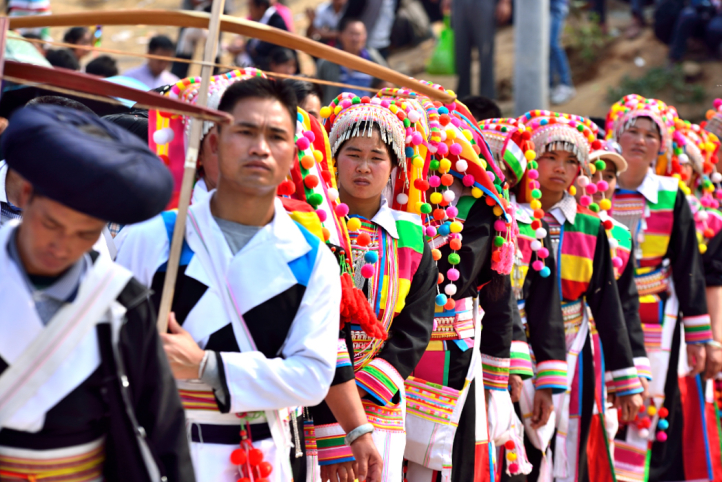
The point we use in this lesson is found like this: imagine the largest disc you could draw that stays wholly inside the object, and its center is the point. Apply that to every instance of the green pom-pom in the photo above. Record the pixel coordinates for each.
(600, 164)
(533, 164)
(407, 122)
(356, 100)
(580, 128)
(434, 165)
(504, 129)
(426, 208)
(315, 199)
(498, 241)
(454, 259)
(594, 207)
(499, 189)
(536, 194)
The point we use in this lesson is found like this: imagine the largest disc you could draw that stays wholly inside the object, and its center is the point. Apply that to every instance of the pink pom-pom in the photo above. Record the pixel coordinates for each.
(346, 103)
(409, 131)
(322, 215)
(430, 231)
(309, 135)
(617, 262)
(442, 149)
(704, 202)
(543, 253)
(452, 212)
(500, 225)
(341, 210)
(534, 184)
(434, 181)
(592, 188)
(455, 149)
(514, 468)
(385, 103)
(718, 193)
(537, 265)
(585, 201)
(715, 204)
(416, 139)
(602, 186)
(661, 436)
(456, 122)
(468, 180)
(532, 174)
(453, 274)
(451, 106)
(367, 270)
(303, 143)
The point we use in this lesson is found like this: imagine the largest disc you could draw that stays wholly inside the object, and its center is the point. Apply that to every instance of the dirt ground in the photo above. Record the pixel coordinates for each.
(622, 57)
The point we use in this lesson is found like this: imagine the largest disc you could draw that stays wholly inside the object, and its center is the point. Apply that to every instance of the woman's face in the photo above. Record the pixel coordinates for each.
(312, 105)
(640, 143)
(557, 170)
(364, 167)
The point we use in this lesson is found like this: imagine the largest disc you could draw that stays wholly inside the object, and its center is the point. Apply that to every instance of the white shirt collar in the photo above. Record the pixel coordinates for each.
(566, 209)
(385, 218)
(649, 187)
(3, 176)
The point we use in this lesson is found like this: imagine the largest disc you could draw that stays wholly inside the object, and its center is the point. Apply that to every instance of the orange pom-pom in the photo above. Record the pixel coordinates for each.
(447, 180)
(441, 279)
(450, 304)
(496, 256)
(363, 239)
(455, 244)
(326, 234)
(490, 201)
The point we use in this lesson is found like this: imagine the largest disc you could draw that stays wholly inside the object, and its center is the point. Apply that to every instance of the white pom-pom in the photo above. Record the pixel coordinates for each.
(442, 134)
(433, 149)
(613, 243)
(402, 198)
(449, 195)
(716, 177)
(414, 116)
(407, 140)
(462, 165)
(683, 158)
(644, 433)
(163, 136)
(376, 101)
(541, 233)
(582, 181)
(702, 216)
(332, 193)
(450, 289)
(536, 245)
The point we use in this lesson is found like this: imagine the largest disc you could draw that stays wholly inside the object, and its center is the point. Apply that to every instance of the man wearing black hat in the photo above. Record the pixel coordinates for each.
(85, 389)
(257, 300)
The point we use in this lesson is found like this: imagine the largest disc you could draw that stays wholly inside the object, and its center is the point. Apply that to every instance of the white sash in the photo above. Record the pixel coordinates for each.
(66, 330)
(216, 267)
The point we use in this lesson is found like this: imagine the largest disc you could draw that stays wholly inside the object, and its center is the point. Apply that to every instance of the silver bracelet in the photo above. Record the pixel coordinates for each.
(202, 366)
(714, 343)
(357, 432)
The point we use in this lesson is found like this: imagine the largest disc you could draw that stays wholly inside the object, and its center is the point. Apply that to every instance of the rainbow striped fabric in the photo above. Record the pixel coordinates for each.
(624, 382)
(332, 448)
(644, 367)
(70, 465)
(198, 400)
(343, 359)
(520, 360)
(551, 374)
(697, 329)
(495, 372)
(430, 401)
(376, 379)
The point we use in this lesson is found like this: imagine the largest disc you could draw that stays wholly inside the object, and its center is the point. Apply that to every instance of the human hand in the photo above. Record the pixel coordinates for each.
(645, 386)
(342, 472)
(503, 12)
(515, 384)
(184, 354)
(630, 405)
(369, 464)
(543, 406)
(714, 361)
(695, 359)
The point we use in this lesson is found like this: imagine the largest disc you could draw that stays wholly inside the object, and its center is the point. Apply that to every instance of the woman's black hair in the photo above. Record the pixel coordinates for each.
(73, 35)
(303, 89)
(281, 55)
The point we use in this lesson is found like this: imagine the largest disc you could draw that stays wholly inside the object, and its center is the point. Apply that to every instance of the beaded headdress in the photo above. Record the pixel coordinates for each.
(624, 113)
(169, 134)
(509, 142)
(713, 124)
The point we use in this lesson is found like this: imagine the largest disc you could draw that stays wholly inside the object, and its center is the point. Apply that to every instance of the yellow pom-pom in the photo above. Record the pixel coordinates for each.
(573, 190)
(450, 134)
(592, 168)
(535, 204)
(326, 234)
(511, 456)
(468, 135)
(353, 224)
(308, 161)
(417, 207)
(436, 197)
(677, 175)
(605, 204)
(651, 410)
(456, 227)
(417, 162)
(318, 155)
(476, 192)
(435, 139)
(702, 248)
(325, 112)
(337, 109)
(498, 211)
(530, 155)
(483, 163)
(444, 165)
(393, 108)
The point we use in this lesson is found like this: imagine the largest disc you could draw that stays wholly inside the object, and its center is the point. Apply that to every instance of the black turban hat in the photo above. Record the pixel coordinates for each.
(87, 164)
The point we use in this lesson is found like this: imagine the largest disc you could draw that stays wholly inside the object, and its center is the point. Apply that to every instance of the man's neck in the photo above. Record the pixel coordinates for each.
(366, 208)
(631, 180)
(242, 208)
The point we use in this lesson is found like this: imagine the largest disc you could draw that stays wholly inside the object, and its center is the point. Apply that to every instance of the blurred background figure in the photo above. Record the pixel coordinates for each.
(257, 53)
(29, 8)
(323, 21)
(482, 107)
(63, 58)
(701, 20)
(351, 39)
(283, 61)
(154, 73)
(78, 36)
(378, 19)
(42, 48)
(308, 95)
(102, 66)
(562, 91)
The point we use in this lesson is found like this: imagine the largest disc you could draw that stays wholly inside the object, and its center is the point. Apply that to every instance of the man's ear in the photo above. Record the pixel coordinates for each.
(25, 195)
(213, 140)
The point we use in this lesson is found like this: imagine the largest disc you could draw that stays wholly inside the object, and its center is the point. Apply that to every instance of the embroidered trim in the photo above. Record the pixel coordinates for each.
(430, 401)
(520, 360)
(198, 400)
(377, 379)
(624, 382)
(644, 367)
(332, 448)
(552, 374)
(343, 359)
(495, 372)
(697, 329)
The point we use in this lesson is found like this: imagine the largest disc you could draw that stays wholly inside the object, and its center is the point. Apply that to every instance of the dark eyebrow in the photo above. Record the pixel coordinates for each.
(352, 148)
(252, 125)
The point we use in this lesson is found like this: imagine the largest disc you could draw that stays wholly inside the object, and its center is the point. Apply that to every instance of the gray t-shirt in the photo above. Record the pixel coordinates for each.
(237, 235)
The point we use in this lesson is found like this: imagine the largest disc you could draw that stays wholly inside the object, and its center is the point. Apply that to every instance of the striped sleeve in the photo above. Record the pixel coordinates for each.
(495, 372)
(332, 448)
(623, 382)
(377, 379)
(551, 374)
(520, 360)
(644, 368)
(697, 329)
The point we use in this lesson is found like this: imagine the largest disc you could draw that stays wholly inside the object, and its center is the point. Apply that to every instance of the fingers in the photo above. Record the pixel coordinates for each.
(695, 359)
(325, 473)
(361, 468)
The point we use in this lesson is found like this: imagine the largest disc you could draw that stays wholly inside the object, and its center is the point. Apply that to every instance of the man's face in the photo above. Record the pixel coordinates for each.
(255, 12)
(157, 66)
(353, 37)
(255, 153)
(53, 237)
(338, 4)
